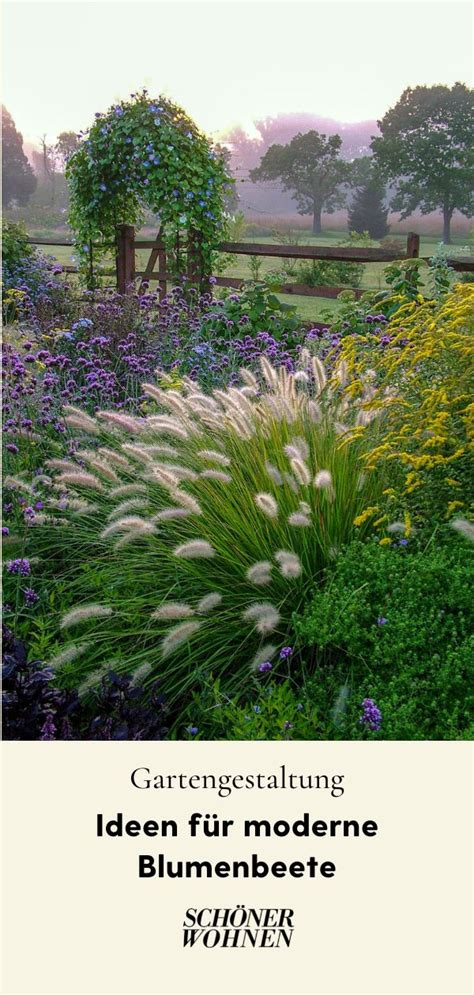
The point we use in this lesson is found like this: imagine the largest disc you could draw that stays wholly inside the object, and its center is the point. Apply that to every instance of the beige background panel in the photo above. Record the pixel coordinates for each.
(394, 919)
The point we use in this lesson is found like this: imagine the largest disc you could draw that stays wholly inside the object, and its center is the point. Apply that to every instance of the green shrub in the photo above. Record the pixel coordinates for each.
(402, 621)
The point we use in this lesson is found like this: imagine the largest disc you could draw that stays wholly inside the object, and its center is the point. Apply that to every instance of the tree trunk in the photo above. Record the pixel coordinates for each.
(317, 219)
(447, 215)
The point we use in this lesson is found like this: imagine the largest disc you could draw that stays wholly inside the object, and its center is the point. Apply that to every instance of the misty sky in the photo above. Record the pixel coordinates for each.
(226, 62)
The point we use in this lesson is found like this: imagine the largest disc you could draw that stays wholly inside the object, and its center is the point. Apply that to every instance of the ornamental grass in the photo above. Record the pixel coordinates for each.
(187, 539)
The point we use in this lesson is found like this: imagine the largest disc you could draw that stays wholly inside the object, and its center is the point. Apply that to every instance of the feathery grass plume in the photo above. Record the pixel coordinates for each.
(42, 478)
(124, 525)
(266, 502)
(18, 483)
(203, 401)
(100, 466)
(264, 615)
(125, 489)
(269, 373)
(187, 501)
(323, 482)
(300, 377)
(301, 471)
(249, 378)
(173, 609)
(83, 614)
(289, 563)
(464, 527)
(167, 425)
(132, 504)
(93, 679)
(79, 419)
(260, 573)
(169, 399)
(249, 392)
(69, 654)
(122, 421)
(239, 424)
(115, 458)
(140, 673)
(315, 412)
(396, 527)
(212, 456)
(225, 478)
(341, 373)
(274, 474)
(80, 478)
(151, 390)
(164, 477)
(291, 481)
(169, 514)
(298, 519)
(138, 453)
(319, 373)
(139, 532)
(194, 550)
(297, 449)
(162, 450)
(178, 471)
(177, 636)
(209, 602)
(266, 652)
(83, 508)
(304, 507)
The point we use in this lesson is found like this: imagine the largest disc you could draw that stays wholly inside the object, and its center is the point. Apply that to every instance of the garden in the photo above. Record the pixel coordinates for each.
(220, 521)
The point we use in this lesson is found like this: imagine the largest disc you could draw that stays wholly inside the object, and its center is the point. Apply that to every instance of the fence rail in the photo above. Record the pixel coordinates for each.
(126, 246)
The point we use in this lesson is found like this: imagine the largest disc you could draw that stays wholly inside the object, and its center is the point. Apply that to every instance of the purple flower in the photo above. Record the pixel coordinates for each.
(288, 725)
(286, 652)
(12, 448)
(381, 620)
(265, 667)
(30, 596)
(192, 730)
(371, 715)
(20, 566)
(48, 730)
(5, 530)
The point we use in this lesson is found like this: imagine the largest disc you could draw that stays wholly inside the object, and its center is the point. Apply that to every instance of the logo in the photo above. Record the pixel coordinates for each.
(238, 927)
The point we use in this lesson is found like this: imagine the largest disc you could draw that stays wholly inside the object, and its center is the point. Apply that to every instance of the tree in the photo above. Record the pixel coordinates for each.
(67, 143)
(426, 148)
(310, 167)
(19, 181)
(368, 211)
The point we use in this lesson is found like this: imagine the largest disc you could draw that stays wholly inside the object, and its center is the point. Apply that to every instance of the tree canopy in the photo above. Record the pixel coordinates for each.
(368, 211)
(19, 180)
(426, 149)
(311, 168)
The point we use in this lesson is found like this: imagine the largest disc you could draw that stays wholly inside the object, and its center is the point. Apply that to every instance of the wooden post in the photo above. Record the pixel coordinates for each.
(196, 272)
(413, 245)
(125, 258)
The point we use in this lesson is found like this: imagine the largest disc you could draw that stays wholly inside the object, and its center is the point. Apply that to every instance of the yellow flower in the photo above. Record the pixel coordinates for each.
(364, 516)
(385, 542)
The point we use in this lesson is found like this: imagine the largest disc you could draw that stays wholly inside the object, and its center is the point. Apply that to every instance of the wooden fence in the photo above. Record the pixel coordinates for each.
(127, 244)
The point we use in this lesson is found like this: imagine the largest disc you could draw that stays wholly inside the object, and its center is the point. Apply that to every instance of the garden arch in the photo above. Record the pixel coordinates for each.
(147, 155)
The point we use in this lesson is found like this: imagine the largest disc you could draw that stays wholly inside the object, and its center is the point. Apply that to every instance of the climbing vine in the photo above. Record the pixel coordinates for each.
(146, 154)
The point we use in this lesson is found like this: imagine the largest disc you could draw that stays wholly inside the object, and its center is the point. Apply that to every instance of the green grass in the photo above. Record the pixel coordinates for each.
(310, 308)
